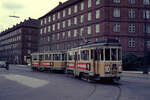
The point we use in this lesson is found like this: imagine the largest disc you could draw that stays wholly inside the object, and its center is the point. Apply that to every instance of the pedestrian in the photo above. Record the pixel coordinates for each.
(7, 65)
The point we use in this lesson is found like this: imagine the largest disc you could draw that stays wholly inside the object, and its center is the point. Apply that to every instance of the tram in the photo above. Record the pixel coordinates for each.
(100, 60)
(92, 61)
(54, 60)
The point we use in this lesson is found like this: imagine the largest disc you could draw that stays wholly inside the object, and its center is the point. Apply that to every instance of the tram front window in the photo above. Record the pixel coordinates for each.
(113, 54)
(85, 55)
(119, 54)
(107, 54)
(34, 57)
(40, 57)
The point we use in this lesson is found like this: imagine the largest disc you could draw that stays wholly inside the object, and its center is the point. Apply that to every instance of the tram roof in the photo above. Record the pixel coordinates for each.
(107, 42)
(53, 51)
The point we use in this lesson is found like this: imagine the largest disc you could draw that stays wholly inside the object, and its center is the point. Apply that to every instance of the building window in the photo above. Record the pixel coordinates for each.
(49, 19)
(64, 13)
(97, 14)
(53, 17)
(89, 16)
(82, 5)
(75, 9)
(49, 28)
(45, 30)
(97, 28)
(41, 31)
(58, 26)
(131, 42)
(116, 12)
(82, 19)
(116, 1)
(58, 15)
(69, 22)
(41, 22)
(89, 30)
(63, 24)
(146, 2)
(45, 20)
(58, 35)
(48, 38)
(131, 1)
(89, 3)
(131, 13)
(69, 34)
(148, 44)
(75, 20)
(131, 28)
(53, 37)
(146, 14)
(116, 27)
(147, 28)
(98, 2)
(53, 27)
(69, 11)
(81, 31)
(63, 35)
(75, 33)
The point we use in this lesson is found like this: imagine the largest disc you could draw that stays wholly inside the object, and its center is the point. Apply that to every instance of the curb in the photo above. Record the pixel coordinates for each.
(134, 72)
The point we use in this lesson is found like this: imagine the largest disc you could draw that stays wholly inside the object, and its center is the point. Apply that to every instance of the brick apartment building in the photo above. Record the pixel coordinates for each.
(19, 41)
(75, 21)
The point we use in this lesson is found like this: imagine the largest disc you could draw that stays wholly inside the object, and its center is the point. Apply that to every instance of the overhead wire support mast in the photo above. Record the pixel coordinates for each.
(145, 42)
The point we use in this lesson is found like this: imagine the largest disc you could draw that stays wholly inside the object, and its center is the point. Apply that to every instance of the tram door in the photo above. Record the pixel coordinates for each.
(75, 63)
(95, 56)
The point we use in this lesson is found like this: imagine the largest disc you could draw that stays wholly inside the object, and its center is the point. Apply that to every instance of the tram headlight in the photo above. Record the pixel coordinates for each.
(107, 69)
(88, 66)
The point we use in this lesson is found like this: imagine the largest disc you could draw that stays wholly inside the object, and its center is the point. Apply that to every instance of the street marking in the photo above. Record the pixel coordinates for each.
(27, 81)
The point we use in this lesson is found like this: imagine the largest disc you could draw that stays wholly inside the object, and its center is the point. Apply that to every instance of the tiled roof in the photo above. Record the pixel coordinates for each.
(30, 23)
(61, 6)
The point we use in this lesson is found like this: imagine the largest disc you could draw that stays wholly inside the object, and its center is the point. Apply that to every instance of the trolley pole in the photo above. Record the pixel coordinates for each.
(145, 63)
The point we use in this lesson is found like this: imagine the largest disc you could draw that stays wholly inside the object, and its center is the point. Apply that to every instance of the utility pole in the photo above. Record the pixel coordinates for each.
(145, 42)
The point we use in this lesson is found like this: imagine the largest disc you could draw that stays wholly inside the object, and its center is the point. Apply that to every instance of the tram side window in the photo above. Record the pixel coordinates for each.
(46, 57)
(119, 54)
(56, 56)
(85, 55)
(107, 54)
(102, 54)
(41, 57)
(64, 57)
(114, 54)
(49, 57)
(34, 57)
(70, 57)
(97, 54)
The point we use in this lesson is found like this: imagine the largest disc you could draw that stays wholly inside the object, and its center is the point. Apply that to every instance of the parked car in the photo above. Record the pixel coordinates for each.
(4, 64)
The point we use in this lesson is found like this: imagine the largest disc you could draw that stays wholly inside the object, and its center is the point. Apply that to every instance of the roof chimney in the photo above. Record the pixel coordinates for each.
(60, 3)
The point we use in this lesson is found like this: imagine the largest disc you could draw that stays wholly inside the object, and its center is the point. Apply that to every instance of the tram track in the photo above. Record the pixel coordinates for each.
(91, 93)
(119, 94)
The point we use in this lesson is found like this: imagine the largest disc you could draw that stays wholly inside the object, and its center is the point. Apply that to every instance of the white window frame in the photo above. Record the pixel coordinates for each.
(89, 30)
(131, 13)
(82, 6)
(116, 27)
(81, 18)
(131, 42)
(116, 12)
(131, 28)
(98, 2)
(116, 1)
(89, 16)
(97, 13)
(75, 8)
(97, 28)
(89, 3)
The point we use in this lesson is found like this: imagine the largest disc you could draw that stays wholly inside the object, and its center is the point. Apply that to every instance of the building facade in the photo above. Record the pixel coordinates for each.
(18, 42)
(75, 22)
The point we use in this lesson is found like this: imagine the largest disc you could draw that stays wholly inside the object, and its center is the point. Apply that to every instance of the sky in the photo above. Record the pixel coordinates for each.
(24, 9)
